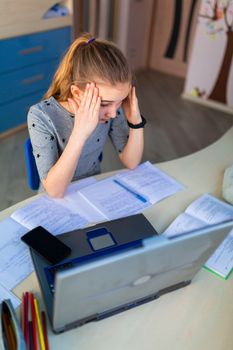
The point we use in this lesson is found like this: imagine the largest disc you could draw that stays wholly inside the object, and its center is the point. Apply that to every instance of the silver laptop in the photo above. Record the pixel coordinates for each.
(113, 283)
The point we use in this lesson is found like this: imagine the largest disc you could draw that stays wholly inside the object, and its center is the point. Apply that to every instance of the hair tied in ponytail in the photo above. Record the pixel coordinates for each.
(103, 61)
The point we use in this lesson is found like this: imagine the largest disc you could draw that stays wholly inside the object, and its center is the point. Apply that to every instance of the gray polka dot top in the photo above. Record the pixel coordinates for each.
(50, 126)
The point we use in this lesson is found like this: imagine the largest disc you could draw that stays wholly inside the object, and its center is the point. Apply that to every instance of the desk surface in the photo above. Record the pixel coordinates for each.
(199, 316)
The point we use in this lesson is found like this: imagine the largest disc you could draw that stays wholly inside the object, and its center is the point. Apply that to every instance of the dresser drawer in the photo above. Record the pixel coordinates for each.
(26, 81)
(31, 49)
(15, 113)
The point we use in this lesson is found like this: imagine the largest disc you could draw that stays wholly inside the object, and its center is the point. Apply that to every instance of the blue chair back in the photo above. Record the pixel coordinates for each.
(33, 176)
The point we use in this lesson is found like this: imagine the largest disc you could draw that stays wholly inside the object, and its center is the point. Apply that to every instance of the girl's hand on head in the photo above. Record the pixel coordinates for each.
(86, 112)
(131, 108)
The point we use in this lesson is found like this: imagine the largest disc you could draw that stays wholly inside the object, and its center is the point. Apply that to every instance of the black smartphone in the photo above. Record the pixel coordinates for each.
(47, 245)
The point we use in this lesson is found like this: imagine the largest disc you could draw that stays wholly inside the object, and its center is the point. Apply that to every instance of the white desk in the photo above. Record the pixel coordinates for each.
(196, 317)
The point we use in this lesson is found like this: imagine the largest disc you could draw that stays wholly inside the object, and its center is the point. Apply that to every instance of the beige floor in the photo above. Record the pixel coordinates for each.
(175, 128)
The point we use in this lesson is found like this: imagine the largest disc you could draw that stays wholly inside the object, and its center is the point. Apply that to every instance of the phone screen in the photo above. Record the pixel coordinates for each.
(47, 245)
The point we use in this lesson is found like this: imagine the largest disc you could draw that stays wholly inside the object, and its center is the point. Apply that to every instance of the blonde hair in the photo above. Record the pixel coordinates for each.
(88, 59)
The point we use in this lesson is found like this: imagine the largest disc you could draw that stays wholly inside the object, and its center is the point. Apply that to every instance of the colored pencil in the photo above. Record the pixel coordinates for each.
(31, 340)
(22, 313)
(41, 337)
(33, 321)
(43, 316)
(26, 330)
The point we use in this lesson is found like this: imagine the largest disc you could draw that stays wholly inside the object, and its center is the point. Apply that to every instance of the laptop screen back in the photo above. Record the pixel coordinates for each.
(102, 287)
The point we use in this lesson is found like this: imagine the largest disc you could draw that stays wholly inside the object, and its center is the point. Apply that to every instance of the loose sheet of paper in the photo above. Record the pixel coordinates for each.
(150, 182)
(221, 261)
(15, 260)
(6, 294)
(53, 216)
(57, 215)
(111, 200)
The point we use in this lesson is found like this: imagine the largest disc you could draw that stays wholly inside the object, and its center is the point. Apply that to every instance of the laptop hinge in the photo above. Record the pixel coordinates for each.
(80, 322)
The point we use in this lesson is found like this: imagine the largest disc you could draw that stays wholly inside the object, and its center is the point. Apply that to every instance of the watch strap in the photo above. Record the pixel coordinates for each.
(137, 126)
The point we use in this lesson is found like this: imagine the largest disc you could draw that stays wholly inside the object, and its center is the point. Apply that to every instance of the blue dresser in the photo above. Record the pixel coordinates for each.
(27, 66)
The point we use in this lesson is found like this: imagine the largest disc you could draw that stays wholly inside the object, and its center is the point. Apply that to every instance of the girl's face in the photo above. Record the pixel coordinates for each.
(112, 97)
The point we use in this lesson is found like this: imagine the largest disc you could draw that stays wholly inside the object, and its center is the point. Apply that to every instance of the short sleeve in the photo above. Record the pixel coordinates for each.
(43, 141)
(119, 131)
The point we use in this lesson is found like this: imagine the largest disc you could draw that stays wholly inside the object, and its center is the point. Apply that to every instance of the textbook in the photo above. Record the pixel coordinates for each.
(221, 262)
(204, 211)
(129, 191)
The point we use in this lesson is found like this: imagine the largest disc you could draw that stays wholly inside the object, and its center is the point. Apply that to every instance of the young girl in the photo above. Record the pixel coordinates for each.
(91, 97)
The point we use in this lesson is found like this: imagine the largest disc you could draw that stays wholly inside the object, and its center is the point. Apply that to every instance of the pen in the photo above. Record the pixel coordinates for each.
(26, 330)
(22, 313)
(138, 196)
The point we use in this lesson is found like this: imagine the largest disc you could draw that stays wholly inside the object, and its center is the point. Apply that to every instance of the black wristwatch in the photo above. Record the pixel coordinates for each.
(137, 126)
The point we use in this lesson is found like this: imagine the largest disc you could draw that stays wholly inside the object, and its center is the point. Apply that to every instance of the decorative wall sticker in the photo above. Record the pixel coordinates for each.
(211, 69)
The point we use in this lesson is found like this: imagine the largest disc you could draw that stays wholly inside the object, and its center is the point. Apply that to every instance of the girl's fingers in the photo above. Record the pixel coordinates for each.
(134, 92)
(130, 97)
(89, 108)
(89, 95)
(134, 100)
(96, 109)
(83, 101)
(78, 101)
(94, 98)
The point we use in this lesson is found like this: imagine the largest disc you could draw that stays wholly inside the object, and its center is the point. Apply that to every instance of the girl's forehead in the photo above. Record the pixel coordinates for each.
(113, 93)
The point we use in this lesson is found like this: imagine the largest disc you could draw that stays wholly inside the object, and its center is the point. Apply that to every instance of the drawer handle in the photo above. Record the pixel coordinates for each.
(32, 79)
(31, 50)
